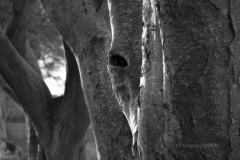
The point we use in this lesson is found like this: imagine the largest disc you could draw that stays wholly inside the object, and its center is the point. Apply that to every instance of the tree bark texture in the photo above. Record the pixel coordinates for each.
(64, 120)
(188, 106)
(125, 57)
(151, 120)
(85, 26)
(201, 88)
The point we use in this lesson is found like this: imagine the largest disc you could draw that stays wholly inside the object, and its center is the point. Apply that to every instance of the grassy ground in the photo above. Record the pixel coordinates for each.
(18, 134)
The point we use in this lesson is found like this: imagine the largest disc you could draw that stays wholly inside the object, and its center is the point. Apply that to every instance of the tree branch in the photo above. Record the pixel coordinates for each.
(27, 84)
(73, 95)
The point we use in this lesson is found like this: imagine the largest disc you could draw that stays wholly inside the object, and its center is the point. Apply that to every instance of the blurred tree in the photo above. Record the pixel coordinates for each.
(45, 42)
(60, 122)
(44, 38)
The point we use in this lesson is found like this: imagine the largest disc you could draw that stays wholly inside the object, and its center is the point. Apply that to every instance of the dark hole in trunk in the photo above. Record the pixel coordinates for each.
(117, 60)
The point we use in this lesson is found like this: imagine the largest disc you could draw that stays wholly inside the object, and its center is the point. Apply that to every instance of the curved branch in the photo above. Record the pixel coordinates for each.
(73, 95)
(151, 122)
(26, 83)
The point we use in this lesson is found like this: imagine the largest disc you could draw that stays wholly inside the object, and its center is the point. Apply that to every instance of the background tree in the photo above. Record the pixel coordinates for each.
(151, 120)
(45, 43)
(55, 120)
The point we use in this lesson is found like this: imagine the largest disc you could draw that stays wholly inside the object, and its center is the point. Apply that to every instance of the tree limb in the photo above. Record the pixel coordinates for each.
(27, 84)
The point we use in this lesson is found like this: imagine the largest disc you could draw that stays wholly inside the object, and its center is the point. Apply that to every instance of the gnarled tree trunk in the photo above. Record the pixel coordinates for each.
(85, 26)
(188, 104)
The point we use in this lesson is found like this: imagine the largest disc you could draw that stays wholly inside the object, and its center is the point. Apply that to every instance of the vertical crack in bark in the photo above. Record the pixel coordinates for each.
(125, 58)
(234, 17)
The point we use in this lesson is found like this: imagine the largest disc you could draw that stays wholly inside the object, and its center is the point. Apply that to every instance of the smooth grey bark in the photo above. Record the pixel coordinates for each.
(85, 26)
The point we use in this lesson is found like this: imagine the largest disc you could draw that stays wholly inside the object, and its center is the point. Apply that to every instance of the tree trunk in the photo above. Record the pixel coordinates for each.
(201, 78)
(85, 26)
(188, 106)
